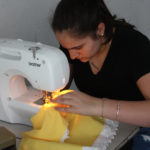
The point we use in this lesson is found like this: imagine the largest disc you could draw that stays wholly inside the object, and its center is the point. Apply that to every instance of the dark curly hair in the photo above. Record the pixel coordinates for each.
(82, 17)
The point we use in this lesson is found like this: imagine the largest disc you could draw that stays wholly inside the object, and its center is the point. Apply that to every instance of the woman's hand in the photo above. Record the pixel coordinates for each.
(79, 103)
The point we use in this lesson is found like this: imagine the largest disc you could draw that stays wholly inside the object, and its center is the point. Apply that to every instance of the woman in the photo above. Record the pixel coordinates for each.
(110, 61)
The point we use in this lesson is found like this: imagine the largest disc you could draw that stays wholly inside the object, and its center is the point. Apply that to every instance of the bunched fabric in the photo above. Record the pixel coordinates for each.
(64, 131)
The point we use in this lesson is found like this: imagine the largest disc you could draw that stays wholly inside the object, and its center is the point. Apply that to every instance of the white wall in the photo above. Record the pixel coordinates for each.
(28, 19)
(136, 12)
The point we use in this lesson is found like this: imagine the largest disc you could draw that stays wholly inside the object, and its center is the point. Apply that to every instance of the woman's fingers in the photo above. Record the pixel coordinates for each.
(63, 109)
(67, 109)
(77, 102)
(63, 99)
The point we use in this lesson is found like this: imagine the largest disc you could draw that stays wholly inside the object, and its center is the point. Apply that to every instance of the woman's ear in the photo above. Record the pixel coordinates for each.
(100, 29)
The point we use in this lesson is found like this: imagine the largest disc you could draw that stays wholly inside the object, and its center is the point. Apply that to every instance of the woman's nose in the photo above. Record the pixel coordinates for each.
(73, 54)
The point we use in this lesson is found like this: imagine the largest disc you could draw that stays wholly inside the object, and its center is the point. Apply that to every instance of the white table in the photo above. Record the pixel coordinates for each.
(124, 133)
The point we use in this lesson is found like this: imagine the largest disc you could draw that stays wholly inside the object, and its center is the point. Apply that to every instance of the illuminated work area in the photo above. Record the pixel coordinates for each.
(43, 47)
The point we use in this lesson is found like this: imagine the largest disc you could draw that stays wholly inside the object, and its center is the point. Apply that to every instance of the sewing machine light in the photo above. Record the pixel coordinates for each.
(47, 96)
(47, 99)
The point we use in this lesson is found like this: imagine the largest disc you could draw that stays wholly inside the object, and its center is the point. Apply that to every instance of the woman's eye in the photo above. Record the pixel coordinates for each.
(75, 48)
(78, 47)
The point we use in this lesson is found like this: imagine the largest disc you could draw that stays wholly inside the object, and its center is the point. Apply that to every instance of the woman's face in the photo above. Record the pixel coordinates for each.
(79, 48)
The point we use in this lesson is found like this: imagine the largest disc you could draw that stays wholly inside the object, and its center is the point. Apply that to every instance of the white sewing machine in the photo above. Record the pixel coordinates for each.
(44, 67)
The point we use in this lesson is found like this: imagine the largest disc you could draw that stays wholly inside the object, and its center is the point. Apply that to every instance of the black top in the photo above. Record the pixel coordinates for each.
(128, 59)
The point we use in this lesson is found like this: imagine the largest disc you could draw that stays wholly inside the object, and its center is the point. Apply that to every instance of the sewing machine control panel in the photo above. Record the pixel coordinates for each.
(11, 48)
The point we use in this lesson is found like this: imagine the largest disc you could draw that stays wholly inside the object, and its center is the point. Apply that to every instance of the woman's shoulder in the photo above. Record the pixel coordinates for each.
(127, 35)
(129, 32)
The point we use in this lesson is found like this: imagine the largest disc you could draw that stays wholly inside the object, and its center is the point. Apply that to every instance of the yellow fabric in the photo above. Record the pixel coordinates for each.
(50, 125)
(83, 129)
(35, 144)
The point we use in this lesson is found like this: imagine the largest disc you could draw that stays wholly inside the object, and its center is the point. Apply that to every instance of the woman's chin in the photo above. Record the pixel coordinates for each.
(84, 60)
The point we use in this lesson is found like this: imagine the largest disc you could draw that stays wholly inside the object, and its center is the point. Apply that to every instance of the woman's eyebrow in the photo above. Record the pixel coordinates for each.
(75, 47)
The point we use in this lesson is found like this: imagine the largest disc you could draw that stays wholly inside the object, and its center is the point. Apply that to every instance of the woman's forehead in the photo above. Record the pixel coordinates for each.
(65, 38)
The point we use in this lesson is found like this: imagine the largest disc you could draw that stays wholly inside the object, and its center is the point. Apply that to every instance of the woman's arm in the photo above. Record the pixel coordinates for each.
(133, 112)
